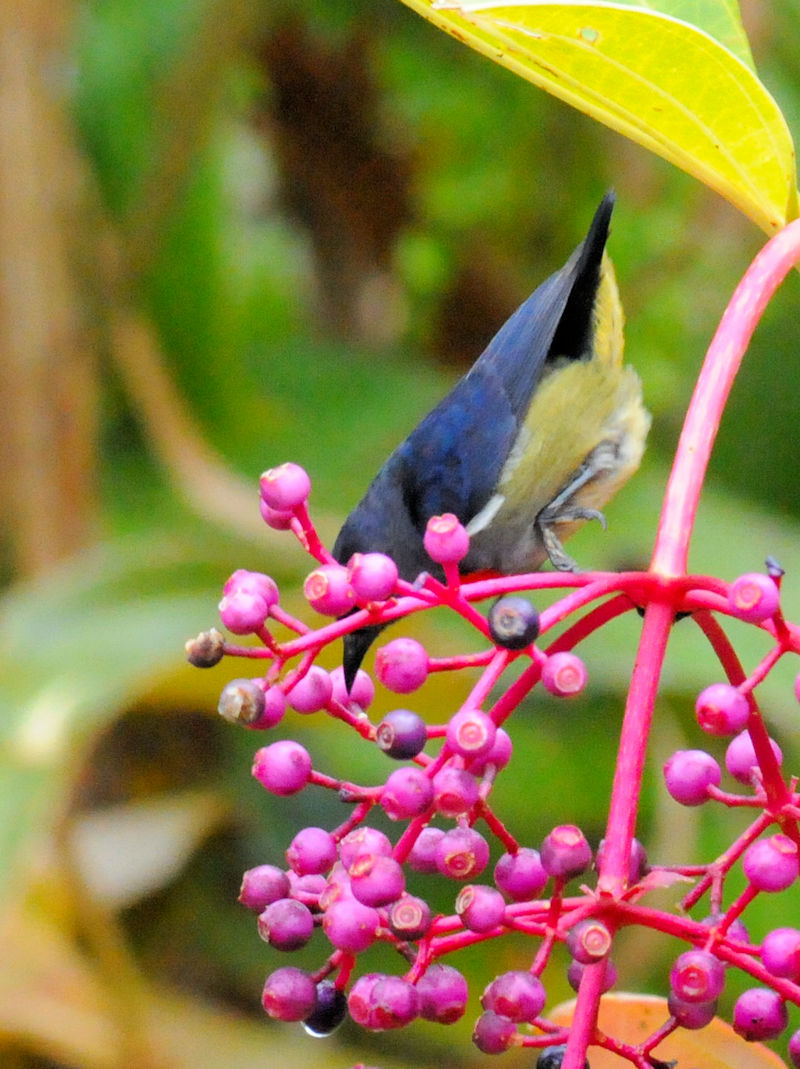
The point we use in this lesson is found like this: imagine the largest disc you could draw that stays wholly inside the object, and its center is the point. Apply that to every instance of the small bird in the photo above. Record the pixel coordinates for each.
(538, 435)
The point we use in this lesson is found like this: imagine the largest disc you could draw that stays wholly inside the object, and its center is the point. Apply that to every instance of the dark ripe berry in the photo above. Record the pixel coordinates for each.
(553, 1058)
(492, 1033)
(289, 994)
(409, 917)
(759, 1013)
(329, 1011)
(401, 734)
(206, 650)
(443, 994)
(513, 623)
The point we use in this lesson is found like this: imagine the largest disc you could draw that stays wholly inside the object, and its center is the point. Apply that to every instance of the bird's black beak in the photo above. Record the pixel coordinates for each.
(356, 644)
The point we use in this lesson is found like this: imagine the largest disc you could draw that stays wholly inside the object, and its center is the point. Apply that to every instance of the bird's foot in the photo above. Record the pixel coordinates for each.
(547, 520)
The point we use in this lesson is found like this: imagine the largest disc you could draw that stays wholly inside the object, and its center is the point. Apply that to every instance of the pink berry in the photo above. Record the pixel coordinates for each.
(376, 879)
(286, 924)
(454, 791)
(691, 1015)
(361, 693)
(697, 976)
(312, 692)
(522, 875)
(794, 1049)
(481, 909)
(350, 925)
(262, 885)
(722, 710)
(576, 969)
(313, 850)
(493, 1033)
(446, 540)
(443, 994)
(277, 519)
(771, 864)
(380, 1002)
(274, 709)
(741, 760)
(564, 675)
(283, 768)
(689, 773)
(407, 793)
(423, 853)
(289, 994)
(462, 854)
(496, 758)
(243, 611)
(759, 1013)
(780, 953)
(285, 487)
(402, 665)
(589, 941)
(328, 590)
(753, 597)
(518, 995)
(471, 733)
(373, 576)
(565, 852)
(256, 582)
(363, 840)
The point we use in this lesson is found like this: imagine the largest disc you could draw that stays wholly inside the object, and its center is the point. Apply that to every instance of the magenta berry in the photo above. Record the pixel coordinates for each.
(408, 792)
(722, 710)
(576, 969)
(401, 734)
(480, 908)
(771, 864)
(753, 597)
(496, 758)
(518, 995)
(513, 623)
(361, 693)
(759, 1013)
(794, 1049)
(493, 1033)
(379, 1002)
(243, 611)
(286, 924)
(454, 791)
(312, 692)
(283, 768)
(446, 540)
(697, 976)
(376, 879)
(373, 576)
(462, 854)
(285, 488)
(741, 760)
(363, 840)
(691, 1015)
(521, 875)
(423, 853)
(564, 675)
(780, 953)
(312, 851)
(637, 863)
(262, 885)
(242, 701)
(689, 773)
(402, 665)
(471, 733)
(443, 994)
(350, 925)
(277, 519)
(565, 852)
(328, 590)
(289, 994)
(589, 941)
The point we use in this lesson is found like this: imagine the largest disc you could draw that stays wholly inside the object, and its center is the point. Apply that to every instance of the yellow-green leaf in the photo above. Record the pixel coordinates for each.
(671, 86)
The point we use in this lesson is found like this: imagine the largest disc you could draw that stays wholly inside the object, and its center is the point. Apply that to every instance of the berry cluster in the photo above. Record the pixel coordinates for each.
(348, 884)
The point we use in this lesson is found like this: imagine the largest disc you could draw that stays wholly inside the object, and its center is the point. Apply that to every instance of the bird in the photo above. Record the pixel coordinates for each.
(535, 438)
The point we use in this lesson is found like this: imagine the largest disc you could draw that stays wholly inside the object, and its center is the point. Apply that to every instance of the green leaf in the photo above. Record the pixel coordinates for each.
(685, 91)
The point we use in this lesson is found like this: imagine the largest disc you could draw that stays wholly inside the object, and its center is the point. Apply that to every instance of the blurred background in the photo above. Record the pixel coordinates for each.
(237, 233)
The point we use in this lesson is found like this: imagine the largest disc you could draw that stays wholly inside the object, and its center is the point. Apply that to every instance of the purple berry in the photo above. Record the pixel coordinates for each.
(576, 970)
(327, 589)
(462, 854)
(771, 864)
(350, 925)
(361, 693)
(401, 734)
(471, 733)
(565, 852)
(691, 1015)
(242, 702)
(722, 710)
(513, 623)
(637, 864)
(697, 976)
(402, 665)
(381, 1002)
(780, 953)
(289, 994)
(759, 1013)
(283, 768)
(330, 1009)
(794, 1049)
(689, 773)
(454, 791)
(262, 885)
(285, 487)
(422, 857)
(446, 540)
(407, 793)
(753, 597)
(497, 758)
(521, 875)
(376, 880)
(409, 917)
(589, 941)
(518, 995)
(443, 994)
(741, 760)
(312, 851)
(286, 924)
(373, 576)
(363, 840)
(493, 1034)
(206, 650)
(312, 692)
(480, 908)
(553, 1057)
(564, 675)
